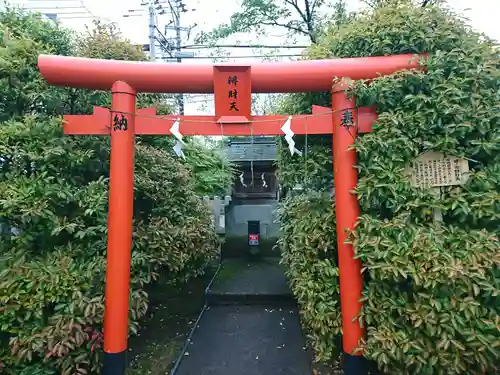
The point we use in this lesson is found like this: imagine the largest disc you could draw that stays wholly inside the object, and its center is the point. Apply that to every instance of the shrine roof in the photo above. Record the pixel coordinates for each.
(244, 149)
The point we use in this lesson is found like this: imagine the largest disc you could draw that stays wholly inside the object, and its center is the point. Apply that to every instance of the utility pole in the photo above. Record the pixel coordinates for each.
(179, 6)
(170, 47)
(152, 30)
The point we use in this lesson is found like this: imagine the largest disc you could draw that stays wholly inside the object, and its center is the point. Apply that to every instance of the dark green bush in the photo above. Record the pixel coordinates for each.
(309, 252)
(432, 300)
(52, 283)
(53, 208)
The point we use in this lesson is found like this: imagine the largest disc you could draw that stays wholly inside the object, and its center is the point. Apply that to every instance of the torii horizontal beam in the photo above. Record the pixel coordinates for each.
(148, 123)
(273, 77)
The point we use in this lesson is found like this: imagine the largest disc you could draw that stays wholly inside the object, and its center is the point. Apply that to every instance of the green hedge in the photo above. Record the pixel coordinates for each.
(309, 252)
(432, 296)
(54, 192)
(52, 279)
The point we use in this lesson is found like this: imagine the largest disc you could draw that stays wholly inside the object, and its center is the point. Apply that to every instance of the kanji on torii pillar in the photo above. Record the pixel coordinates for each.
(232, 86)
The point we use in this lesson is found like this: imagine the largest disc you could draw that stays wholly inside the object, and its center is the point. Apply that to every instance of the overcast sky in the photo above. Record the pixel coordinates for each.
(207, 14)
(210, 13)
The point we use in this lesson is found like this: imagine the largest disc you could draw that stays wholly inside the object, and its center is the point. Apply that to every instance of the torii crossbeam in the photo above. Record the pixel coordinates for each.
(232, 86)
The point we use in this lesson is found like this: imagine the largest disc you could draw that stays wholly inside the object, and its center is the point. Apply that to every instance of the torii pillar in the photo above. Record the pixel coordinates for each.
(232, 86)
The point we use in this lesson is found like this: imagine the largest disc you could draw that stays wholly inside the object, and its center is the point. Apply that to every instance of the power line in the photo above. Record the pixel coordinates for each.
(73, 18)
(87, 9)
(201, 46)
(80, 11)
(70, 13)
(58, 7)
(241, 57)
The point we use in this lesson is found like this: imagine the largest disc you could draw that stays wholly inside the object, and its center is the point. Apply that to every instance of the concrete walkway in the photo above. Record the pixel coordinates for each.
(251, 325)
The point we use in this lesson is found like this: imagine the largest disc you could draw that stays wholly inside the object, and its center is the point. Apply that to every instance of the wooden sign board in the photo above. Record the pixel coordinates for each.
(233, 94)
(435, 169)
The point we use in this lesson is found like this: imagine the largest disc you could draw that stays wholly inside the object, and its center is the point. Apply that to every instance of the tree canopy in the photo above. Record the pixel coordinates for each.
(305, 18)
(301, 17)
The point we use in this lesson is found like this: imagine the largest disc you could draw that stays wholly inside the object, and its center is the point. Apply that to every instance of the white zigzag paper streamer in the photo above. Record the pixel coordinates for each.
(178, 150)
(174, 129)
(287, 130)
(242, 181)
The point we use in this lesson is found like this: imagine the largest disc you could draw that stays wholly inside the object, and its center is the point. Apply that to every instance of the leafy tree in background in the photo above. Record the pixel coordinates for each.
(22, 89)
(299, 17)
(53, 191)
(381, 3)
(105, 41)
(306, 18)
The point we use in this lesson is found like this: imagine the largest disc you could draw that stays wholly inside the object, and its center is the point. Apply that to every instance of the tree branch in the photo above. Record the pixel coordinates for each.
(309, 23)
(371, 4)
(295, 5)
(286, 26)
(314, 5)
(308, 10)
(307, 17)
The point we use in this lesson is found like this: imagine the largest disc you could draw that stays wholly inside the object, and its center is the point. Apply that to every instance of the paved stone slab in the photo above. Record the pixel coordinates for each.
(247, 340)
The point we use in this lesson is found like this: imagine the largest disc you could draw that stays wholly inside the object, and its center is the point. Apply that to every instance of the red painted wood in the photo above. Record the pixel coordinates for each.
(147, 122)
(267, 77)
(233, 93)
(367, 116)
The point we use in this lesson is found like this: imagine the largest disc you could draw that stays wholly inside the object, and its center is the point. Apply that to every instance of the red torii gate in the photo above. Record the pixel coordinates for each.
(232, 86)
